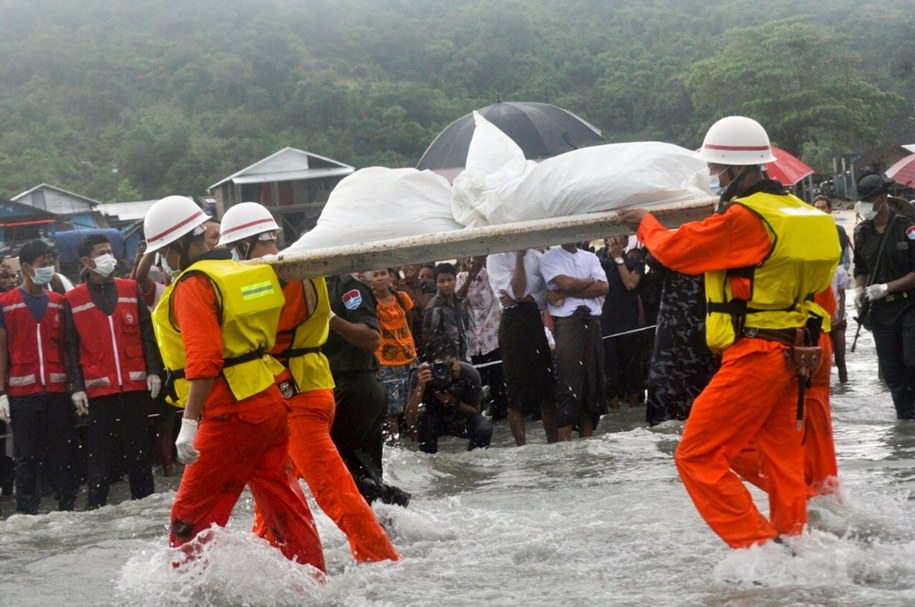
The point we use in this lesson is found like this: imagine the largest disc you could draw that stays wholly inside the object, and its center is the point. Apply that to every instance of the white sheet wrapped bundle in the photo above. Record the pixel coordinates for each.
(499, 187)
(378, 203)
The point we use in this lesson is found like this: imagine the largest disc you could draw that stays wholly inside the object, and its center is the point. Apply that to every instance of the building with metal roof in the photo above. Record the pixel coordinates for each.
(80, 211)
(292, 183)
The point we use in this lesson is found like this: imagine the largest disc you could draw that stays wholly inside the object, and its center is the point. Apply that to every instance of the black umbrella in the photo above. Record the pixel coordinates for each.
(541, 130)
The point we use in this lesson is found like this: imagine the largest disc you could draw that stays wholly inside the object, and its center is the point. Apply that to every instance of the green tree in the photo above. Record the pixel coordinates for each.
(801, 82)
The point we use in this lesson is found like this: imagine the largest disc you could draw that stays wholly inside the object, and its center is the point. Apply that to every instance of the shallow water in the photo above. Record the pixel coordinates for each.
(594, 522)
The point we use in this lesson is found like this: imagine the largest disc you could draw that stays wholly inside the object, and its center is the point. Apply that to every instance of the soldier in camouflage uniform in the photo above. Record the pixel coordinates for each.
(681, 363)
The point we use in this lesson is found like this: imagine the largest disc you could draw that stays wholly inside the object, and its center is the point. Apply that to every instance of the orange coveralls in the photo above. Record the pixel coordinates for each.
(753, 396)
(821, 470)
(316, 457)
(240, 442)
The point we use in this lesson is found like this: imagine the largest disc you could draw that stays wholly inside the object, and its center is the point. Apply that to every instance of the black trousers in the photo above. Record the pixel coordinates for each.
(433, 424)
(623, 357)
(358, 425)
(6, 463)
(894, 336)
(119, 439)
(44, 430)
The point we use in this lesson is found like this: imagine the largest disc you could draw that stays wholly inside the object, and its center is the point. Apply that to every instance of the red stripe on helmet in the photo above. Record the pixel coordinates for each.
(249, 224)
(177, 225)
(738, 148)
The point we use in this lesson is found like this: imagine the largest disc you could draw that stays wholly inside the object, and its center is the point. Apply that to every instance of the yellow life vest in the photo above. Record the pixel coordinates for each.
(308, 365)
(250, 300)
(778, 293)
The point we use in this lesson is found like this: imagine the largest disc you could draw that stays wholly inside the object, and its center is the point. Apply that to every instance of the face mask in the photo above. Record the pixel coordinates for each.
(43, 275)
(235, 256)
(714, 182)
(866, 209)
(104, 264)
(163, 263)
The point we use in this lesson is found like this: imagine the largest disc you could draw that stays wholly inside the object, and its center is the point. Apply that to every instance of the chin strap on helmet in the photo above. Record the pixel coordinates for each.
(730, 192)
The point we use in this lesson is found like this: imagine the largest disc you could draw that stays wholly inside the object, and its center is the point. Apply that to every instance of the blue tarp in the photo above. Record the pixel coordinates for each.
(68, 243)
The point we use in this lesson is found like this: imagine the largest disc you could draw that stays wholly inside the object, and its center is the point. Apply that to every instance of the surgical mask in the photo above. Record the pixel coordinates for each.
(714, 182)
(104, 264)
(235, 256)
(43, 275)
(163, 263)
(866, 209)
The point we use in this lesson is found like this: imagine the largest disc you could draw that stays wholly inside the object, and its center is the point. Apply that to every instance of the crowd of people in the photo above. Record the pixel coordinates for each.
(254, 381)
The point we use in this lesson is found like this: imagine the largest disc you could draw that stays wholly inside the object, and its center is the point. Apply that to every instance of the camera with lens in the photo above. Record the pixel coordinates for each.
(441, 375)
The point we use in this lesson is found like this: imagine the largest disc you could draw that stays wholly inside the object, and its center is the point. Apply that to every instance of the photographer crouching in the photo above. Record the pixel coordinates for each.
(445, 396)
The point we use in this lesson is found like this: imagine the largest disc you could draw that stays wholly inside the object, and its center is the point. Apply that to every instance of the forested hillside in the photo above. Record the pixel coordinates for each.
(176, 95)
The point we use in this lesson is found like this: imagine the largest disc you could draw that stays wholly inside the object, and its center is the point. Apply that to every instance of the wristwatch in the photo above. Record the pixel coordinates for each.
(619, 261)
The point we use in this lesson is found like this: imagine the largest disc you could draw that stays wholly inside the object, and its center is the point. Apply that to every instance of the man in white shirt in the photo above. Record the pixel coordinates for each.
(526, 360)
(575, 280)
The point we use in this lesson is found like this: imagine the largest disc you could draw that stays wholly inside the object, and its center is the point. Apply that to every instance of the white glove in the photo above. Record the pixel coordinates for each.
(153, 384)
(5, 408)
(81, 401)
(875, 292)
(185, 442)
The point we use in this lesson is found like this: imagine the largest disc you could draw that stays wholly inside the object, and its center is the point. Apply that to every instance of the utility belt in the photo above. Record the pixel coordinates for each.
(295, 352)
(783, 336)
(898, 296)
(804, 354)
(229, 362)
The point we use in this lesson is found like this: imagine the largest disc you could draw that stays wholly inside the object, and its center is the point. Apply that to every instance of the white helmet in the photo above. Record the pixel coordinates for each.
(170, 219)
(736, 141)
(244, 220)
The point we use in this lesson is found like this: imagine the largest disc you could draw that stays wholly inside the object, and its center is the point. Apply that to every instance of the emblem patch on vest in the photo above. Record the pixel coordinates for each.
(910, 232)
(129, 318)
(352, 299)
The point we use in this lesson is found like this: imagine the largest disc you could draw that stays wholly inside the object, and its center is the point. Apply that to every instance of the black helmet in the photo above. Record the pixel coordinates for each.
(872, 184)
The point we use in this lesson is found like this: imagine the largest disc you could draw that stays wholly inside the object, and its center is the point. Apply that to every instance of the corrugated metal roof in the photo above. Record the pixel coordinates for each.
(293, 175)
(91, 201)
(285, 165)
(127, 211)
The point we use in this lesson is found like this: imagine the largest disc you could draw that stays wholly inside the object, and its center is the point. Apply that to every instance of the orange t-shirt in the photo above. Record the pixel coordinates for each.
(397, 347)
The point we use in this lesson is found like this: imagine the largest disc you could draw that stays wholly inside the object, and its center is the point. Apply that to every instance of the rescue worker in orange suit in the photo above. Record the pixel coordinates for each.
(249, 231)
(114, 368)
(32, 369)
(765, 253)
(821, 470)
(215, 325)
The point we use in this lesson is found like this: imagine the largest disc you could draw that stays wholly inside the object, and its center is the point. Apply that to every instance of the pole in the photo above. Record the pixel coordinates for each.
(467, 242)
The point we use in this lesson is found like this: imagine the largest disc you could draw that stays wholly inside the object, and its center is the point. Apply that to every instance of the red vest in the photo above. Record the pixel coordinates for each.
(35, 350)
(110, 347)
